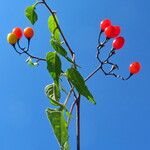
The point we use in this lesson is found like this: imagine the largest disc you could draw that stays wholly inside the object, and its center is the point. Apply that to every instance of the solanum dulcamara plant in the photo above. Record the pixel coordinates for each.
(60, 115)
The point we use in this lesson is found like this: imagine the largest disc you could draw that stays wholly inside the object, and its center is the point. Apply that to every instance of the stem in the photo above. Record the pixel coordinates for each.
(38, 3)
(35, 57)
(93, 73)
(78, 122)
(99, 37)
(25, 51)
(58, 26)
(68, 96)
(73, 90)
(77, 102)
(71, 111)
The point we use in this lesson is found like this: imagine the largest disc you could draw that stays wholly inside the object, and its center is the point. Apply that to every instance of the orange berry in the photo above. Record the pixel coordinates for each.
(28, 32)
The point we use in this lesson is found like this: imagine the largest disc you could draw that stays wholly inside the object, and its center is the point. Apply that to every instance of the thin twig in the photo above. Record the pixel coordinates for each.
(97, 69)
(78, 122)
(28, 54)
(71, 110)
(38, 2)
(35, 57)
(58, 26)
(68, 96)
(73, 90)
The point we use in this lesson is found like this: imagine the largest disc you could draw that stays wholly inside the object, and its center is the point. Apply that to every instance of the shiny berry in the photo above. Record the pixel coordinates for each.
(112, 31)
(118, 43)
(104, 24)
(12, 38)
(134, 67)
(117, 31)
(18, 32)
(28, 32)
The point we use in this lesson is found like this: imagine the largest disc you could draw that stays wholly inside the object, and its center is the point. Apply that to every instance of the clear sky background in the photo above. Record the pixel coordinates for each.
(120, 120)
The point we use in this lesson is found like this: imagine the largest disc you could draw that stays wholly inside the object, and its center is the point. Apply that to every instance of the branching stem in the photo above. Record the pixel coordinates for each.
(24, 51)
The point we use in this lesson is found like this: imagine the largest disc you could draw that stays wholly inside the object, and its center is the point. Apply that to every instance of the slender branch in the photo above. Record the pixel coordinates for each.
(58, 26)
(93, 73)
(18, 43)
(68, 96)
(24, 48)
(71, 110)
(115, 75)
(73, 90)
(99, 37)
(112, 52)
(103, 43)
(78, 122)
(28, 54)
(38, 2)
(100, 46)
(35, 57)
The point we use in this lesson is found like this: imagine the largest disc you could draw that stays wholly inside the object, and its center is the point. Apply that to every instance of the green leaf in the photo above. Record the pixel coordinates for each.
(60, 50)
(53, 93)
(31, 63)
(31, 14)
(54, 65)
(53, 28)
(59, 126)
(78, 82)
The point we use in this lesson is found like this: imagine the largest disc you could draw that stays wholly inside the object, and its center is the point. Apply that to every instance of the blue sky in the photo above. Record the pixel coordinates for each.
(120, 120)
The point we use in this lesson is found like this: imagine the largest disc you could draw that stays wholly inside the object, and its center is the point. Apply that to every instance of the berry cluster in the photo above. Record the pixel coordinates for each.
(17, 34)
(111, 31)
(14, 37)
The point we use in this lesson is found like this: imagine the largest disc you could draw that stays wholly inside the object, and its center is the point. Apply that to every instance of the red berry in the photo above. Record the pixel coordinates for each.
(112, 31)
(118, 43)
(28, 32)
(135, 67)
(18, 32)
(104, 24)
(117, 31)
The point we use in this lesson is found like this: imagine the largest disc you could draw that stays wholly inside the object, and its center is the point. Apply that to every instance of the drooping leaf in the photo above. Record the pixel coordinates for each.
(60, 50)
(53, 28)
(54, 65)
(59, 126)
(78, 82)
(31, 63)
(31, 14)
